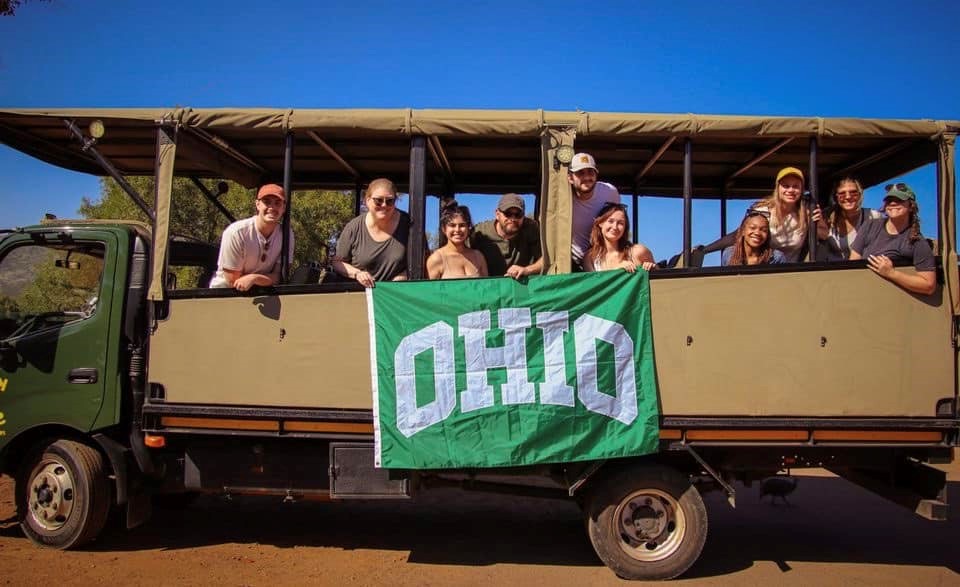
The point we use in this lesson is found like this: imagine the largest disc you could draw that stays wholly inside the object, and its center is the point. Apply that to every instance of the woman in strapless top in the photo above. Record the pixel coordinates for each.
(455, 260)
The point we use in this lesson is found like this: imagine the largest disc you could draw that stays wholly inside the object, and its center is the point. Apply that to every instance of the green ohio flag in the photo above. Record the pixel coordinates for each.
(493, 372)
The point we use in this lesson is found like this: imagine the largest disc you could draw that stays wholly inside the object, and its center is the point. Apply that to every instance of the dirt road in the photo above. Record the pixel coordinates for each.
(832, 533)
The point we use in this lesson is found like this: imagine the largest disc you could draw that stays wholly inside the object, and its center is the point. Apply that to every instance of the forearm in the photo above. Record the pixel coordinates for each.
(535, 268)
(345, 269)
(922, 282)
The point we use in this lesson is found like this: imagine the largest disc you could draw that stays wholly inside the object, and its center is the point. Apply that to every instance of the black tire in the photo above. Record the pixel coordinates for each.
(646, 522)
(63, 495)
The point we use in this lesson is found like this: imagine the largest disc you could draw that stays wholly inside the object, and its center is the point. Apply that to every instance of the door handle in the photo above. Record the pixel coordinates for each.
(83, 375)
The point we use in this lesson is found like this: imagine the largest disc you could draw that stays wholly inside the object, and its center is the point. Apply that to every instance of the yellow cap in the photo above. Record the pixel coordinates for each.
(789, 171)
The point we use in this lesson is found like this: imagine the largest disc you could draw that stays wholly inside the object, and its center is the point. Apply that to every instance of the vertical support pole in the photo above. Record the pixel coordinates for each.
(723, 215)
(814, 189)
(288, 191)
(687, 200)
(634, 209)
(418, 176)
(357, 197)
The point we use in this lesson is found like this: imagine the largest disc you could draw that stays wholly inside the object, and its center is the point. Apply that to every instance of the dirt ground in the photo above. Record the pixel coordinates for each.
(831, 533)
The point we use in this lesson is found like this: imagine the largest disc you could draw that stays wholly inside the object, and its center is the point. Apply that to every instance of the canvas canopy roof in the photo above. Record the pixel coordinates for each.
(483, 151)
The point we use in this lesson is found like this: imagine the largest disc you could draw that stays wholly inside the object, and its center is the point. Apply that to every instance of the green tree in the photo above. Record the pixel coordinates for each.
(9, 7)
(316, 215)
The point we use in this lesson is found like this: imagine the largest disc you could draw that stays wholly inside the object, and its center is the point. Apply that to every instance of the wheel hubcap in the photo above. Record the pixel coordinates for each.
(51, 495)
(651, 524)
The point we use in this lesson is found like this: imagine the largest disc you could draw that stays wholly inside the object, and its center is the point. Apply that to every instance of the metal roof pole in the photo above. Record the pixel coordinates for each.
(357, 196)
(89, 146)
(287, 187)
(814, 191)
(418, 176)
(723, 215)
(687, 200)
(636, 217)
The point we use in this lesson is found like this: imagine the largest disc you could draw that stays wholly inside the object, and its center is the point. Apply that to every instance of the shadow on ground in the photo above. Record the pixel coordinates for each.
(827, 521)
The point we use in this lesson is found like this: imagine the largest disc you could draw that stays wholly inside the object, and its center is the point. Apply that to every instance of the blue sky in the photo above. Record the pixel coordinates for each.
(863, 59)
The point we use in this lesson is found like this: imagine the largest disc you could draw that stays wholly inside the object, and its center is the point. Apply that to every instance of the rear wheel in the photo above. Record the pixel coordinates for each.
(63, 495)
(647, 522)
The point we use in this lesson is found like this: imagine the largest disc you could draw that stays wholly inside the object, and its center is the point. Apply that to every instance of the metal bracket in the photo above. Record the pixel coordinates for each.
(587, 473)
(730, 491)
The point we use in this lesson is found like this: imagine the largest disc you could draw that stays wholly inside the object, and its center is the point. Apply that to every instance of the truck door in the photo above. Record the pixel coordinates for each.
(54, 326)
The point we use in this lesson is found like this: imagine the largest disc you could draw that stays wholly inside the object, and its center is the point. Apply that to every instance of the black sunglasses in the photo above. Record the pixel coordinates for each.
(388, 202)
(609, 206)
(517, 215)
(263, 252)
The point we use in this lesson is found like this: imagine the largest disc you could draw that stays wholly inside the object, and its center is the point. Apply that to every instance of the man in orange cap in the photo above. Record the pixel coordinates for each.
(250, 248)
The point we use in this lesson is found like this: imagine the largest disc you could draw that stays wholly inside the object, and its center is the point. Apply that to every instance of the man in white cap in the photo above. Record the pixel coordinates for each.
(250, 248)
(510, 243)
(589, 196)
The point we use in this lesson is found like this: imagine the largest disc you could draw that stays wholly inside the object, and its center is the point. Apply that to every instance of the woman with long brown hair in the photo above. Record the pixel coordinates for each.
(882, 242)
(610, 246)
(839, 229)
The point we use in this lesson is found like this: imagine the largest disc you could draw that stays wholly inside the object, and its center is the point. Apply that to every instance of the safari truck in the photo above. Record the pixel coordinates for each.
(119, 386)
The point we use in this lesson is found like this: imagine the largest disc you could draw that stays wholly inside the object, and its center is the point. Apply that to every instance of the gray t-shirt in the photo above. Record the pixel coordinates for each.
(500, 253)
(584, 213)
(873, 239)
(383, 260)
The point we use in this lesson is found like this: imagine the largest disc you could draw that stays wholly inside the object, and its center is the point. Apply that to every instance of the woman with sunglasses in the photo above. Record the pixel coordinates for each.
(882, 242)
(610, 246)
(751, 244)
(455, 259)
(373, 246)
(788, 214)
(843, 221)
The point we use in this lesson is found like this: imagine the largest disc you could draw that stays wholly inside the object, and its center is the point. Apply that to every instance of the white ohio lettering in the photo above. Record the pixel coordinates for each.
(619, 404)
(411, 419)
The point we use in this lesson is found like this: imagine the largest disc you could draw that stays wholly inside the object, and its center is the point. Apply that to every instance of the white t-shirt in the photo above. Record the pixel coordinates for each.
(786, 235)
(584, 213)
(244, 249)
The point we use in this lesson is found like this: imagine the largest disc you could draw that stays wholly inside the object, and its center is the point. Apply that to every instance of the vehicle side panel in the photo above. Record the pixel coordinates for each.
(830, 343)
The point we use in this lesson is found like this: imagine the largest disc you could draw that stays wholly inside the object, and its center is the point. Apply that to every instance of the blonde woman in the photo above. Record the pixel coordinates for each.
(788, 214)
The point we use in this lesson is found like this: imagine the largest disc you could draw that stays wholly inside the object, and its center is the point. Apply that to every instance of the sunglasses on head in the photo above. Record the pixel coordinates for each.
(388, 202)
(754, 212)
(900, 187)
(611, 206)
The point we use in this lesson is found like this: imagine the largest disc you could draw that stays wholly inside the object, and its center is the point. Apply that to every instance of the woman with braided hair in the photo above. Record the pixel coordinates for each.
(751, 244)
(897, 238)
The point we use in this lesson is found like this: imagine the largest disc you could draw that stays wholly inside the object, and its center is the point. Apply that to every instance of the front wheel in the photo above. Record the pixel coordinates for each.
(646, 522)
(63, 495)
